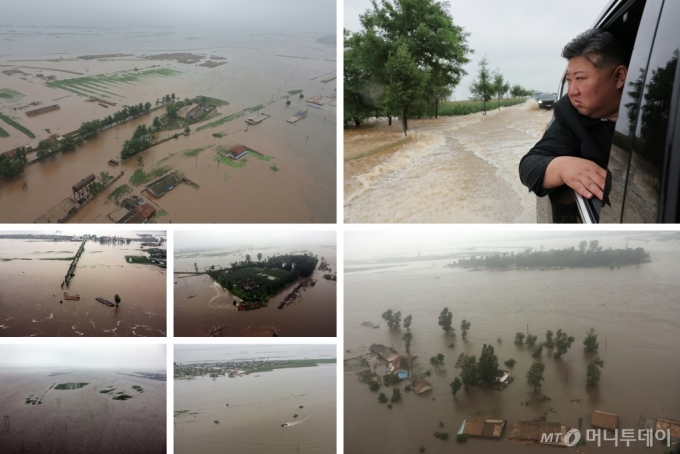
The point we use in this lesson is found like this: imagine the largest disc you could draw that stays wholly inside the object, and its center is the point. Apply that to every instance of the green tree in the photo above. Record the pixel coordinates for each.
(582, 246)
(482, 87)
(549, 342)
(407, 321)
(538, 350)
(374, 386)
(510, 363)
(593, 371)
(535, 375)
(594, 245)
(407, 338)
(117, 299)
(396, 395)
(455, 385)
(445, 320)
(468, 370)
(405, 83)
(531, 340)
(590, 342)
(487, 366)
(464, 327)
(562, 343)
(382, 398)
(519, 338)
(248, 258)
(187, 130)
(259, 256)
(500, 87)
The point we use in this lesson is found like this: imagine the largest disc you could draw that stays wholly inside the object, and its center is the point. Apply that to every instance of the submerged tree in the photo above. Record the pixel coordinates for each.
(407, 321)
(549, 342)
(590, 341)
(562, 343)
(538, 350)
(455, 385)
(407, 338)
(535, 375)
(393, 319)
(464, 327)
(117, 299)
(445, 319)
(468, 370)
(519, 338)
(593, 372)
(531, 340)
(487, 366)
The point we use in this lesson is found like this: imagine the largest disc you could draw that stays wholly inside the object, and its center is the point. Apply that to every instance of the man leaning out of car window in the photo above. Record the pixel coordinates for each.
(575, 148)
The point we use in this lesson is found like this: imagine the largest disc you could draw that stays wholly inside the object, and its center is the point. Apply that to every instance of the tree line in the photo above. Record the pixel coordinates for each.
(594, 256)
(407, 58)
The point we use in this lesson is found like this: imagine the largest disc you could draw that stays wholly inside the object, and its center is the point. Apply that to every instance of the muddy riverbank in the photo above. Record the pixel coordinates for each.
(451, 170)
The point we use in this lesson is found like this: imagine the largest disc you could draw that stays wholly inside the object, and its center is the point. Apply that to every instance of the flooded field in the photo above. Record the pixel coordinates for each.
(260, 70)
(258, 405)
(632, 309)
(84, 419)
(203, 307)
(32, 272)
(449, 170)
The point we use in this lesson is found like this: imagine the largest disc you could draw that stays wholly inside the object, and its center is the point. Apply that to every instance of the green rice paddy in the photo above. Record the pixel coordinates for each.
(140, 177)
(105, 84)
(231, 117)
(3, 133)
(16, 126)
(70, 386)
(9, 94)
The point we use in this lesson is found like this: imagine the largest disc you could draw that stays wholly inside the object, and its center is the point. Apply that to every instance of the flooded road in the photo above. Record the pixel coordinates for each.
(449, 170)
(258, 405)
(81, 420)
(31, 290)
(632, 309)
(202, 306)
(260, 70)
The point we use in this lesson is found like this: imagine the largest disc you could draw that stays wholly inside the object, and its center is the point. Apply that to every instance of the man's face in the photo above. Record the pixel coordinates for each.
(595, 93)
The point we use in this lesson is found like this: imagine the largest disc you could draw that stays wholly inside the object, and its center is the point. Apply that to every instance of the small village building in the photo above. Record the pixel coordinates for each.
(401, 365)
(669, 425)
(604, 420)
(535, 431)
(502, 376)
(197, 111)
(140, 214)
(237, 152)
(489, 428)
(420, 386)
(382, 352)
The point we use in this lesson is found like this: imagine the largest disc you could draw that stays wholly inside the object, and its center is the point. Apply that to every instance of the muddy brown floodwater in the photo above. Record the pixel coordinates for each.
(450, 170)
(633, 310)
(202, 306)
(82, 420)
(260, 71)
(31, 291)
(258, 404)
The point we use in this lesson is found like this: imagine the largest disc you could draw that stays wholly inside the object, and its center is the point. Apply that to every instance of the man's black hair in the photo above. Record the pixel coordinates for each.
(599, 48)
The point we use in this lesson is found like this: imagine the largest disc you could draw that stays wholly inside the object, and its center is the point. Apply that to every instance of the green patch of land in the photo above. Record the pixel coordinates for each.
(10, 72)
(222, 157)
(106, 391)
(9, 94)
(218, 135)
(468, 107)
(180, 412)
(102, 83)
(70, 386)
(3, 133)
(231, 117)
(293, 363)
(261, 157)
(329, 40)
(122, 397)
(195, 151)
(120, 192)
(138, 388)
(140, 177)
(294, 92)
(60, 258)
(16, 126)
(208, 101)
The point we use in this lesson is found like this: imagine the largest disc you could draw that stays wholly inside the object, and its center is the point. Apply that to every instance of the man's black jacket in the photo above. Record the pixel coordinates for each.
(570, 134)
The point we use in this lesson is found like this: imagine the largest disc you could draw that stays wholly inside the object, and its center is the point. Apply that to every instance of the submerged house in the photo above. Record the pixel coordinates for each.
(237, 152)
(604, 420)
(384, 353)
(541, 432)
(489, 428)
(401, 366)
(420, 386)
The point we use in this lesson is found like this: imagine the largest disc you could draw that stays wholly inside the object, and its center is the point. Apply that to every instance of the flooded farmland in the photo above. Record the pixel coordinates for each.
(33, 301)
(292, 179)
(461, 169)
(246, 412)
(203, 307)
(633, 309)
(45, 417)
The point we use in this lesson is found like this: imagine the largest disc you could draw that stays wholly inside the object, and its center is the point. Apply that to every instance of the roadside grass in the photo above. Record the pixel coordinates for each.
(120, 192)
(9, 94)
(140, 177)
(231, 117)
(3, 133)
(16, 126)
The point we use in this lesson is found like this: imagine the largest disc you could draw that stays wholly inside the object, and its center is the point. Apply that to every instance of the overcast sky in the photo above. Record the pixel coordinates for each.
(523, 38)
(285, 238)
(251, 16)
(140, 357)
(362, 245)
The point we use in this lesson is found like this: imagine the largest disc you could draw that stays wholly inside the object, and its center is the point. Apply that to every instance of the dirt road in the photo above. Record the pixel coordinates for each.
(449, 170)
